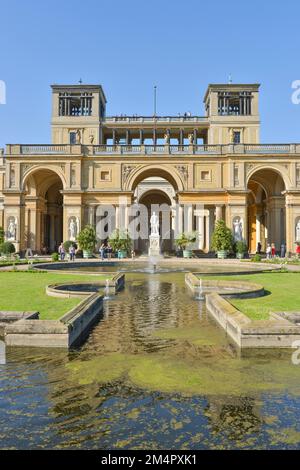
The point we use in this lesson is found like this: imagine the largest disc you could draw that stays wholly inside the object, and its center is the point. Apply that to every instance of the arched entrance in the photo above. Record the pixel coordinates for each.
(157, 194)
(266, 209)
(43, 200)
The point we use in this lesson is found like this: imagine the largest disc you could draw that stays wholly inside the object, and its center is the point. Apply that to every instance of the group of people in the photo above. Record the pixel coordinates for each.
(62, 252)
(271, 250)
(105, 250)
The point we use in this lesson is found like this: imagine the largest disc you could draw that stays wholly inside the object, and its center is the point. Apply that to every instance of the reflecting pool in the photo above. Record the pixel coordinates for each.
(155, 373)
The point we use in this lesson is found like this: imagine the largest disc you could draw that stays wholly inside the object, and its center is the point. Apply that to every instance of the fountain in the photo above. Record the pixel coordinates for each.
(106, 290)
(201, 295)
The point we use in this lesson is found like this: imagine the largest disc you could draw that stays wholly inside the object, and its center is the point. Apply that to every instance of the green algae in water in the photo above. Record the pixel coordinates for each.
(155, 372)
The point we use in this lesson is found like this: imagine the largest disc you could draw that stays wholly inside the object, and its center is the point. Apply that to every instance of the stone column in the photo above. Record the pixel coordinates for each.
(114, 137)
(207, 231)
(52, 232)
(127, 137)
(141, 137)
(92, 216)
(190, 218)
(173, 224)
(180, 219)
(117, 216)
(201, 231)
(126, 217)
(219, 211)
(258, 228)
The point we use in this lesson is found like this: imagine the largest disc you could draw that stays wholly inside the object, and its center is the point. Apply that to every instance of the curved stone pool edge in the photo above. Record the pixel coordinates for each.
(72, 328)
(280, 331)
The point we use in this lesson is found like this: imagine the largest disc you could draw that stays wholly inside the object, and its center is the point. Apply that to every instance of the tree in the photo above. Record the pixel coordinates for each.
(87, 238)
(120, 240)
(222, 238)
(185, 239)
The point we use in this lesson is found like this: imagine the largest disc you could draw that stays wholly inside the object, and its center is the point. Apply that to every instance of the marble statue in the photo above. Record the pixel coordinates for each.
(73, 228)
(154, 222)
(238, 229)
(12, 229)
(298, 231)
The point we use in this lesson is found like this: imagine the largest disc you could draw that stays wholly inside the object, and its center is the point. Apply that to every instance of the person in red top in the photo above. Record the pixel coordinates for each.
(273, 250)
(298, 250)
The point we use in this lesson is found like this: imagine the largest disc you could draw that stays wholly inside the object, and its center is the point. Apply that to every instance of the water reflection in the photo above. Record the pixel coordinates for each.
(155, 373)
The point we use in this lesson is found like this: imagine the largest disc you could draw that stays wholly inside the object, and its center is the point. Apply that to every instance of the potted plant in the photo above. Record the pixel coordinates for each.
(87, 240)
(7, 248)
(121, 242)
(241, 249)
(222, 239)
(183, 241)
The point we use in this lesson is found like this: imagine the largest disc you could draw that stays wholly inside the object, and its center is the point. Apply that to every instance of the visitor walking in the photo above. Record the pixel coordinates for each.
(72, 252)
(61, 251)
(298, 250)
(273, 250)
(102, 251)
(109, 251)
(258, 249)
(282, 250)
(269, 251)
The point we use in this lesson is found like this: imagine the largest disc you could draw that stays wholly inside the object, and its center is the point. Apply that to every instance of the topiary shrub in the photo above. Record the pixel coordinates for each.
(55, 257)
(7, 248)
(1, 235)
(87, 238)
(256, 258)
(120, 240)
(222, 238)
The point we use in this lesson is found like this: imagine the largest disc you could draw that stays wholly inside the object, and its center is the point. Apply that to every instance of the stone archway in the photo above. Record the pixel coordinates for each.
(43, 206)
(157, 199)
(266, 209)
(176, 176)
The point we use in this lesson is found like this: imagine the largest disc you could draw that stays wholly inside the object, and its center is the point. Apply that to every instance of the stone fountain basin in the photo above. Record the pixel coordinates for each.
(226, 288)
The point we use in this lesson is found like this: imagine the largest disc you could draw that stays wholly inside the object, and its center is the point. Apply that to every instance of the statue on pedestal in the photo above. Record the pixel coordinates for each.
(11, 229)
(238, 229)
(73, 228)
(154, 222)
(154, 241)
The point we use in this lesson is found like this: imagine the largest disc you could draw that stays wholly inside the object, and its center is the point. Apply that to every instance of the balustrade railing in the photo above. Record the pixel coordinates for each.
(43, 149)
(163, 149)
(145, 119)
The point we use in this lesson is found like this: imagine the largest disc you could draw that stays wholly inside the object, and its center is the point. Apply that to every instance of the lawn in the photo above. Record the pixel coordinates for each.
(26, 291)
(283, 294)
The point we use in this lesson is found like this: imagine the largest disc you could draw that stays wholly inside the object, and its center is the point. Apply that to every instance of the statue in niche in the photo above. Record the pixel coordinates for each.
(73, 228)
(154, 222)
(92, 138)
(12, 178)
(191, 139)
(298, 231)
(73, 177)
(78, 137)
(238, 229)
(167, 138)
(11, 228)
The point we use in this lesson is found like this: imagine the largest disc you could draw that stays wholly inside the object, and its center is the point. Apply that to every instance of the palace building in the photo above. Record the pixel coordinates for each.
(214, 161)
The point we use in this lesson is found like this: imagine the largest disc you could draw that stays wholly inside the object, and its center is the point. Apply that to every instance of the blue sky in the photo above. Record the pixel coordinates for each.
(128, 46)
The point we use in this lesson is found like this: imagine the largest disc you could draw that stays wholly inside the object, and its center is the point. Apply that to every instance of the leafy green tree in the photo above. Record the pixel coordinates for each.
(222, 238)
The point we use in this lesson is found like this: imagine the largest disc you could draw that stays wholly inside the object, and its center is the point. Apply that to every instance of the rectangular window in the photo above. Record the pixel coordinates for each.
(105, 175)
(205, 175)
(236, 137)
(73, 136)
